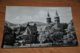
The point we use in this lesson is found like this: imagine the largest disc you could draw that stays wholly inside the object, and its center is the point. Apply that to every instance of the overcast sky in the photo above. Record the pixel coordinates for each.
(23, 14)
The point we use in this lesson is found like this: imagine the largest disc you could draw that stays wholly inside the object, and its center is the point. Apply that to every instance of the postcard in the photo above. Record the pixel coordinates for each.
(30, 26)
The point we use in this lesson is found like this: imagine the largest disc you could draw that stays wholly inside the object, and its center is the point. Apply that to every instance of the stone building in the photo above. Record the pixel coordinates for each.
(30, 34)
(53, 31)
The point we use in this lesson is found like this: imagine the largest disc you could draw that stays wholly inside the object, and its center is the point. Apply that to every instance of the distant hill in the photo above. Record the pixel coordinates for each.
(11, 24)
(37, 23)
(25, 24)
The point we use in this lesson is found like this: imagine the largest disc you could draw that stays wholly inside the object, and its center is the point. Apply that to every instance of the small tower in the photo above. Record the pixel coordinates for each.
(57, 19)
(48, 18)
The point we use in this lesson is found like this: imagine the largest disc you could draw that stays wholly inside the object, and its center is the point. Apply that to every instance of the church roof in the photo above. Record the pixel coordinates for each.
(56, 14)
(48, 15)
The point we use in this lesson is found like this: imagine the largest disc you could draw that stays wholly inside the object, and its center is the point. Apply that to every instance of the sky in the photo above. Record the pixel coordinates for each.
(23, 14)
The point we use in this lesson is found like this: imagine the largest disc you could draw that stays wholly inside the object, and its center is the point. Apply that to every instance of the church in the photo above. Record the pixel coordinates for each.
(53, 29)
(57, 33)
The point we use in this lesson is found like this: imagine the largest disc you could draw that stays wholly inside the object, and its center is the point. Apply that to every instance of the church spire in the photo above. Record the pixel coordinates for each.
(48, 18)
(57, 19)
(56, 15)
(48, 15)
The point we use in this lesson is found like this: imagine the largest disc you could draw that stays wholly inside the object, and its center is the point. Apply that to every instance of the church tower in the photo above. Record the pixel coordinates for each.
(57, 19)
(48, 18)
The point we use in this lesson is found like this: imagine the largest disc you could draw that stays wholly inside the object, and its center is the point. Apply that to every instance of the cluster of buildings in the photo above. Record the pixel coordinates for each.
(51, 32)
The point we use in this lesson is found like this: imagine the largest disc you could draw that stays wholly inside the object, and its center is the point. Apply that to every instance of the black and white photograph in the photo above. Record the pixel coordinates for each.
(32, 26)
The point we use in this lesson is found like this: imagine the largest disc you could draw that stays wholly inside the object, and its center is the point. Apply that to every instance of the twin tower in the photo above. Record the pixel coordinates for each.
(56, 18)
